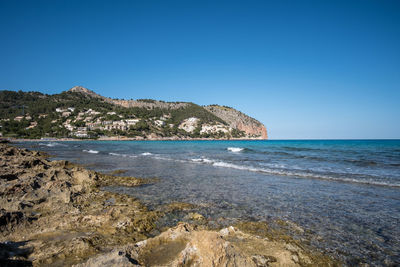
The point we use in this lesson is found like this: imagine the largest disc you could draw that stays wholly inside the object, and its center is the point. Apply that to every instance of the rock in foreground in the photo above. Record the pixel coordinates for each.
(53, 212)
(188, 245)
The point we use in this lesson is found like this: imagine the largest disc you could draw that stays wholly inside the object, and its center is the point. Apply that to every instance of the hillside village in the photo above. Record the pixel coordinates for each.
(80, 113)
(92, 123)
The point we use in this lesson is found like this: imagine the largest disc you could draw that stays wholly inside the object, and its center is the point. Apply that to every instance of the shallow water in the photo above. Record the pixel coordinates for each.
(346, 192)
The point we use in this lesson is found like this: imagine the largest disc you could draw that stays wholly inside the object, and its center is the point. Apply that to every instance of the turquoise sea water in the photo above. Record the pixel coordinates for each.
(346, 192)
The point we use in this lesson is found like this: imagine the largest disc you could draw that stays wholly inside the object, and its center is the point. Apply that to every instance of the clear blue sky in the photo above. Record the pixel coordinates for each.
(306, 69)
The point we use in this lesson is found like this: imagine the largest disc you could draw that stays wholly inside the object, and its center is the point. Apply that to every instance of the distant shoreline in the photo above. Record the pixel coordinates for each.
(132, 139)
(188, 139)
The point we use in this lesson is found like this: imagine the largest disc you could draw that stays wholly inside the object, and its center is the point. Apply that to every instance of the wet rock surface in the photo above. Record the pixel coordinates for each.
(55, 213)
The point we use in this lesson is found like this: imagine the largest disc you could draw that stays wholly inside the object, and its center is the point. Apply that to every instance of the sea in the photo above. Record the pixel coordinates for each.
(345, 194)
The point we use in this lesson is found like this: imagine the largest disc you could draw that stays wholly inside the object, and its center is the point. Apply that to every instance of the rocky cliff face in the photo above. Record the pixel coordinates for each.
(85, 91)
(236, 119)
(149, 104)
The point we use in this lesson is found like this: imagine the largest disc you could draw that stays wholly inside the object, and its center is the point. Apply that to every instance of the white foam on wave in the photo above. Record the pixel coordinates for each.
(162, 158)
(91, 151)
(290, 173)
(302, 175)
(121, 155)
(169, 159)
(270, 171)
(52, 144)
(234, 166)
(235, 149)
(203, 160)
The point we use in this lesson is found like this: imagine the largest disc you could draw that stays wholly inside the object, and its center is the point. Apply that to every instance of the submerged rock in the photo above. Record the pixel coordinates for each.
(194, 216)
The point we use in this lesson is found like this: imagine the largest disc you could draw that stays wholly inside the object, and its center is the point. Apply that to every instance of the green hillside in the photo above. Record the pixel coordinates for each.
(80, 115)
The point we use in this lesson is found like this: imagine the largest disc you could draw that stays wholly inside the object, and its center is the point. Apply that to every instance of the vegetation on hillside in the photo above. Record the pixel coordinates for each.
(34, 115)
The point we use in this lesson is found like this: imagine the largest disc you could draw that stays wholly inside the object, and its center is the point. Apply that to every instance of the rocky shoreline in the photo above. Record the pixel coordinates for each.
(56, 213)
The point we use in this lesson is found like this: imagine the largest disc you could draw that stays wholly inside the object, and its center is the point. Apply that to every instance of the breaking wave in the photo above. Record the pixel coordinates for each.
(122, 155)
(295, 173)
(52, 144)
(91, 151)
(235, 149)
